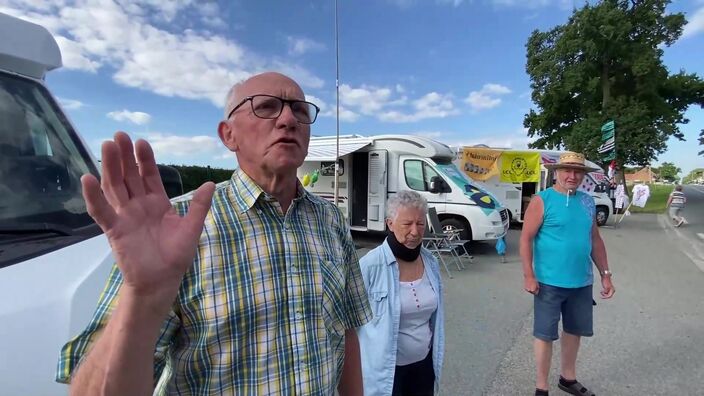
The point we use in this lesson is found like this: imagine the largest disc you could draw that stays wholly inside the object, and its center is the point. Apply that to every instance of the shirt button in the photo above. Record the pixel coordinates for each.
(294, 268)
(299, 315)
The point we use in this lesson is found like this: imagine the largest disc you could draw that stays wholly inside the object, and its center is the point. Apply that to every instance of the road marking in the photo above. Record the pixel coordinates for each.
(697, 189)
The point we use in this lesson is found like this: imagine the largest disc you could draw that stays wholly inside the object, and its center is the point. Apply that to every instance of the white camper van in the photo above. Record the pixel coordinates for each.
(373, 168)
(54, 259)
(516, 196)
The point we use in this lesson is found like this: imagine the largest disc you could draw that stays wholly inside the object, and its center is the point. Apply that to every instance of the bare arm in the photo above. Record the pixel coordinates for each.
(153, 247)
(601, 262)
(351, 381)
(532, 220)
(122, 360)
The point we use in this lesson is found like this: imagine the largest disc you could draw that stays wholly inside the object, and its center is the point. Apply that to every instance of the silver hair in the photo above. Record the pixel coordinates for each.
(231, 98)
(405, 199)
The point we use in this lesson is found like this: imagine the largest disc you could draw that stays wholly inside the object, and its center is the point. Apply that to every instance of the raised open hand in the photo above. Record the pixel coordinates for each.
(153, 245)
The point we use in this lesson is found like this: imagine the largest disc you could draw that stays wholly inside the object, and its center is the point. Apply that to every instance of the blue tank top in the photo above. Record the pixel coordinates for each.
(563, 246)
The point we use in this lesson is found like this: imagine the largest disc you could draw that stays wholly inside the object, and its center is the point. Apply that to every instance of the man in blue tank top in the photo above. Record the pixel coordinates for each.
(559, 242)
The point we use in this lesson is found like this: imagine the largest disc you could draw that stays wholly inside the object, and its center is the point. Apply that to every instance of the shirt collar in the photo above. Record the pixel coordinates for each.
(245, 191)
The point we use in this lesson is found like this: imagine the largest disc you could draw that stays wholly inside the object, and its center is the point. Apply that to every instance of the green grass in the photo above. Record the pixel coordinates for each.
(657, 201)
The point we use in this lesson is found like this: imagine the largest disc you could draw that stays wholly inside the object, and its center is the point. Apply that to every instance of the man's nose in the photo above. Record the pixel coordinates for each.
(286, 119)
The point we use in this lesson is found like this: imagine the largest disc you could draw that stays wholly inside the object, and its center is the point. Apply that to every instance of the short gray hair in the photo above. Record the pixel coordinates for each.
(405, 199)
(231, 98)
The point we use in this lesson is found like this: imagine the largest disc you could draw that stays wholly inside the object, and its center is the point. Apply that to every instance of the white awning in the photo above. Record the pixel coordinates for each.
(326, 152)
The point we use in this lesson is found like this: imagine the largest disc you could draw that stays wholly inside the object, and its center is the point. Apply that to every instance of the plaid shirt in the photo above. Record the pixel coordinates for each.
(264, 308)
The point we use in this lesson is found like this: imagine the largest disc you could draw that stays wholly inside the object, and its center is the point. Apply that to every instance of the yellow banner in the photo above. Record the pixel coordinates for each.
(480, 163)
(520, 167)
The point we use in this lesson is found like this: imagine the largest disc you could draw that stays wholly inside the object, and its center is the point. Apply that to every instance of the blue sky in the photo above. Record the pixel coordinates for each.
(452, 70)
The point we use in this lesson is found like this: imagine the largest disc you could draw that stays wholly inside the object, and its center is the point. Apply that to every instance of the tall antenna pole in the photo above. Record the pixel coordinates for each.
(337, 113)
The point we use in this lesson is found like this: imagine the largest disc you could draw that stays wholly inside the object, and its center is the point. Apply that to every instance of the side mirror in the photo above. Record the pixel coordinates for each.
(171, 179)
(438, 185)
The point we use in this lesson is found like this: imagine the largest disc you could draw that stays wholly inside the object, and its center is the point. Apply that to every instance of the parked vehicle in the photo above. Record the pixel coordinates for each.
(54, 259)
(516, 196)
(376, 167)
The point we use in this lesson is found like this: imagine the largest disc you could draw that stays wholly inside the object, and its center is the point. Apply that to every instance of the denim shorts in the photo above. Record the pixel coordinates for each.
(575, 306)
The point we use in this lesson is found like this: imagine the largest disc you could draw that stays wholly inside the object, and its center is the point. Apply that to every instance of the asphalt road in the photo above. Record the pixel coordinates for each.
(649, 338)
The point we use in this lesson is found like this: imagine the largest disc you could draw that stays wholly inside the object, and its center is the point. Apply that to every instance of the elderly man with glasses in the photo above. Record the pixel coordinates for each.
(250, 287)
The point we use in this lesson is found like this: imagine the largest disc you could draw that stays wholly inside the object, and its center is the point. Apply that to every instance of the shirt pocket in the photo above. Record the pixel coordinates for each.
(379, 302)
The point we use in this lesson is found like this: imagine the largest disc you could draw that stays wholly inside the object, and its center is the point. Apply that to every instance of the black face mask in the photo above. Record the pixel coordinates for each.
(401, 251)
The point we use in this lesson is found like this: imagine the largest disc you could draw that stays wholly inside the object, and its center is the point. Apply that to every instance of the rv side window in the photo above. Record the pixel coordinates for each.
(414, 175)
(418, 175)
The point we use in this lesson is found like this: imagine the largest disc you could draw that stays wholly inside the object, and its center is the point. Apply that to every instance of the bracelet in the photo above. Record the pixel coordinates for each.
(605, 273)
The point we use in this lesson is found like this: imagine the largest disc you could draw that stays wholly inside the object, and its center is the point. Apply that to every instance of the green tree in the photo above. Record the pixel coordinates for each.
(605, 64)
(701, 141)
(193, 176)
(668, 171)
(693, 175)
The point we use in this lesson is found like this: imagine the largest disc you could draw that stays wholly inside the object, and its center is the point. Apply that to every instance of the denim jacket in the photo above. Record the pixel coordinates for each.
(378, 338)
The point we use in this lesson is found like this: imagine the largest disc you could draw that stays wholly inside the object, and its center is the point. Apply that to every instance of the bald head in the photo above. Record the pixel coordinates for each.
(254, 84)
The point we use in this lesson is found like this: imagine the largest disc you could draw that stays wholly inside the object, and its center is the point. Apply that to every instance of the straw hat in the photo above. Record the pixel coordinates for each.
(570, 160)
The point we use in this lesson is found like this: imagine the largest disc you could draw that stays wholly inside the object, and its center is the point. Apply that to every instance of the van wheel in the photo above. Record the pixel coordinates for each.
(451, 224)
(602, 215)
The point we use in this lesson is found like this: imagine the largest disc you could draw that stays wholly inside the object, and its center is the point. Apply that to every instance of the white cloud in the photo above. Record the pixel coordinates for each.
(168, 148)
(73, 57)
(695, 24)
(167, 145)
(346, 115)
(515, 140)
(70, 104)
(135, 117)
(301, 45)
(487, 97)
(432, 105)
(367, 99)
(131, 40)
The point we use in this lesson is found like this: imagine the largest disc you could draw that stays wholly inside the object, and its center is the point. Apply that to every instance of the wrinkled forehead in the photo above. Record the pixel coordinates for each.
(270, 84)
(409, 212)
(567, 170)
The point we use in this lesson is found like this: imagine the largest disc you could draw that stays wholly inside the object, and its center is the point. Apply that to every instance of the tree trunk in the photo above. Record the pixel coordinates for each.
(605, 86)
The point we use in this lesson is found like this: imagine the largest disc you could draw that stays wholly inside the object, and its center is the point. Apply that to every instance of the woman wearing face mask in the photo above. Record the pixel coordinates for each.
(402, 346)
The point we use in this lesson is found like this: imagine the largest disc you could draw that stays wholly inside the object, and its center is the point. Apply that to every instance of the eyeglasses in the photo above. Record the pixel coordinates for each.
(270, 107)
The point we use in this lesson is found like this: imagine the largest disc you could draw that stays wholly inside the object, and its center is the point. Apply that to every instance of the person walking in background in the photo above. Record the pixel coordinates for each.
(676, 203)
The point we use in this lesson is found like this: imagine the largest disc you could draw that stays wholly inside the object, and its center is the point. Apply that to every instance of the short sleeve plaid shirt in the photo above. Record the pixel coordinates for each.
(265, 306)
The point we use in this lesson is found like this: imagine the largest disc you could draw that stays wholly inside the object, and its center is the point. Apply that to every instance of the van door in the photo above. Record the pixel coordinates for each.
(415, 174)
(376, 207)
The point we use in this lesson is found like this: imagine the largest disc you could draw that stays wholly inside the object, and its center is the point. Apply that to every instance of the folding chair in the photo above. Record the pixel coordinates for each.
(436, 244)
(452, 238)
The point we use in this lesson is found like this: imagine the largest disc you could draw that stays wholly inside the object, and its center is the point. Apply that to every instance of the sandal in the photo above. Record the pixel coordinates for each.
(576, 389)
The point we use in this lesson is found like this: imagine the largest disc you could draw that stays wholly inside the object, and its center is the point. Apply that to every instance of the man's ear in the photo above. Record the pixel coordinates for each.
(227, 136)
(389, 223)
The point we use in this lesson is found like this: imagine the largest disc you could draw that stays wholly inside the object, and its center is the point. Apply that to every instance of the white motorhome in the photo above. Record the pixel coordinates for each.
(53, 258)
(516, 196)
(374, 168)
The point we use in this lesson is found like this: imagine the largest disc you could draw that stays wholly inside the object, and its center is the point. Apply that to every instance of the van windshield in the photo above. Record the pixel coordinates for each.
(41, 162)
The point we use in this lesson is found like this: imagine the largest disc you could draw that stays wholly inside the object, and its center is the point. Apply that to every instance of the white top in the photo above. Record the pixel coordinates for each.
(418, 302)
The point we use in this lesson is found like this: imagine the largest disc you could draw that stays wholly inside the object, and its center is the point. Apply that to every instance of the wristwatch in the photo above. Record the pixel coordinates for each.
(605, 273)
